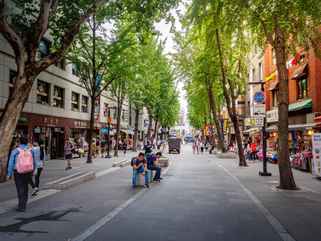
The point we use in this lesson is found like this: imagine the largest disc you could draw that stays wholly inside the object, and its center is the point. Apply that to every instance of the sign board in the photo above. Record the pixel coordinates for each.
(316, 152)
(272, 116)
(259, 97)
(259, 109)
(256, 121)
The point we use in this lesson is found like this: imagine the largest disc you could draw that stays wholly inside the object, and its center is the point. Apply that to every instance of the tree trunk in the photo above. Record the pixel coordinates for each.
(150, 127)
(9, 119)
(155, 131)
(286, 175)
(119, 107)
(230, 103)
(91, 129)
(212, 104)
(135, 141)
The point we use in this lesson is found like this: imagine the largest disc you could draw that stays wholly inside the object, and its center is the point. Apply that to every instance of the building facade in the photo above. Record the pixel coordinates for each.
(58, 106)
(304, 96)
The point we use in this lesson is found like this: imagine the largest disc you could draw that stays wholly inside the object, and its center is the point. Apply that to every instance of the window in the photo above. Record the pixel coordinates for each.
(275, 97)
(58, 97)
(75, 69)
(74, 101)
(84, 104)
(302, 87)
(12, 79)
(260, 72)
(253, 75)
(130, 114)
(44, 48)
(43, 93)
(123, 115)
(105, 109)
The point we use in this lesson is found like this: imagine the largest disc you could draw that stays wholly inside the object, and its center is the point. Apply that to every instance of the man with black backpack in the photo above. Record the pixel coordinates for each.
(21, 165)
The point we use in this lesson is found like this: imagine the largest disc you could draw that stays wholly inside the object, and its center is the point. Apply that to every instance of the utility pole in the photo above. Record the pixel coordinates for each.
(264, 173)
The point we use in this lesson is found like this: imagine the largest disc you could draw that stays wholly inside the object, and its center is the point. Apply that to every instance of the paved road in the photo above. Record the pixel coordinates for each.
(196, 201)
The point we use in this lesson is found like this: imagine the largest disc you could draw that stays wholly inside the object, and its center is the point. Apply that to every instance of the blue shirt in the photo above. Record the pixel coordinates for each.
(13, 159)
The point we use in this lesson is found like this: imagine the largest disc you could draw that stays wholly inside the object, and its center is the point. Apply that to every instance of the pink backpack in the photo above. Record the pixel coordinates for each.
(24, 161)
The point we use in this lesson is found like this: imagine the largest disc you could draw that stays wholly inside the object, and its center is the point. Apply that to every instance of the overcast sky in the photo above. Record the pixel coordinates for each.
(164, 28)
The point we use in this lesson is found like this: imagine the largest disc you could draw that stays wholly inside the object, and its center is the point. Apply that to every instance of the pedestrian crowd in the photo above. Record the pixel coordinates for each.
(26, 164)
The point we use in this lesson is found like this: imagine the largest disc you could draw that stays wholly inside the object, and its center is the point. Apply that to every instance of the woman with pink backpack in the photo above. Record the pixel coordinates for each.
(21, 166)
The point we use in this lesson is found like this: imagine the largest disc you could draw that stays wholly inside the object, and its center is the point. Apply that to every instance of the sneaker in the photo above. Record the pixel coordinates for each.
(35, 192)
(147, 185)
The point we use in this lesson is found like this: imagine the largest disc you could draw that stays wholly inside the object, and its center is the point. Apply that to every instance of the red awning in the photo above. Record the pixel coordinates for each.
(317, 120)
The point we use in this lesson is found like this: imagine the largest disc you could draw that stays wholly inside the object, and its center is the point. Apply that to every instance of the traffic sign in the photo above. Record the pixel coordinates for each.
(259, 97)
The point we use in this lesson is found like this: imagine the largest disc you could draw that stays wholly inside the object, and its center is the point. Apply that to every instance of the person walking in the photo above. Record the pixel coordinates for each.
(124, 146)
(21, 165)
(68, 154)
(39, 157)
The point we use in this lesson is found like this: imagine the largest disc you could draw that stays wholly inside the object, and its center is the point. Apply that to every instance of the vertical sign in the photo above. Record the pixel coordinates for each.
(316, 151)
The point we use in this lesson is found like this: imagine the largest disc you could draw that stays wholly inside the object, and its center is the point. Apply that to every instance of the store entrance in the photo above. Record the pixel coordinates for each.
(57, 143)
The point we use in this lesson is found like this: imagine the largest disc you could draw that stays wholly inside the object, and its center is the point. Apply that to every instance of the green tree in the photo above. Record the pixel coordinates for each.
(284, 25)
(24, 23)
(90, 54)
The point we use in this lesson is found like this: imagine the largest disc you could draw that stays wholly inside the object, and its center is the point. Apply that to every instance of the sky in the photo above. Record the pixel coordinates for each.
(164, 28)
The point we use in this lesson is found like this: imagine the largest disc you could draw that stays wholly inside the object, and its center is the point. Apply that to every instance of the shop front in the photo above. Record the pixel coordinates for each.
(51, 131)
(300, 134)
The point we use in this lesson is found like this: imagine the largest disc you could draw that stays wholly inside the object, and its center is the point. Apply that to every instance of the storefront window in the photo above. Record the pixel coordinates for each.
(12, 78)
(84, 104)
(74, 101)
(43, 93)
(58, 97)
(302, 87)
(275, 97)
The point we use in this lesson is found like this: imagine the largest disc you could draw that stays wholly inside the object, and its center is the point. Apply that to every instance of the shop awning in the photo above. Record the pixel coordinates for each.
(302, 126)
(292, 127)
(300, 72)
(300, 105)
(274, 85)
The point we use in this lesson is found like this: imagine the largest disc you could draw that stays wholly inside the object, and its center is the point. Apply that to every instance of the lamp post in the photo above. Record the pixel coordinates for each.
(263, 136)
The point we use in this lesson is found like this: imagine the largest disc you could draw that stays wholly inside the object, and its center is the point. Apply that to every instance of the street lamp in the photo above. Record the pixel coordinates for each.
(264, 136)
